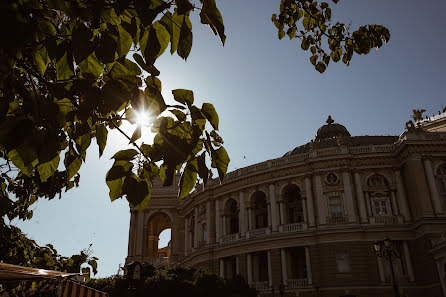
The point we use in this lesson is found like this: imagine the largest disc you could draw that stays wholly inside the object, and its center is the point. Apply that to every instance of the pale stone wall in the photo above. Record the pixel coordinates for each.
(410, 211)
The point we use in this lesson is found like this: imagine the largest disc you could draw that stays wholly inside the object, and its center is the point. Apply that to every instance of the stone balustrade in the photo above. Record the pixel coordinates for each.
(297, 283)
(293, 227)
(261, 286)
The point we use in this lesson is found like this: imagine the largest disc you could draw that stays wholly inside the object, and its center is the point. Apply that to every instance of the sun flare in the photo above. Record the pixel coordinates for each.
(143, 118)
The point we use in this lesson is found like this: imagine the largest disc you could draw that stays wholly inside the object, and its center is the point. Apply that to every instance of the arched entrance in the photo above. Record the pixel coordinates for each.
(157, 223)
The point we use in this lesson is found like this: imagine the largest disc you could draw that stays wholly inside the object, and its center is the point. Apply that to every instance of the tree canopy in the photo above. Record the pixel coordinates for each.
(71, 70)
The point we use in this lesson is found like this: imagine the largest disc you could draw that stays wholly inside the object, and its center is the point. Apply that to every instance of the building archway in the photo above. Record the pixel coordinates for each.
(157, 223)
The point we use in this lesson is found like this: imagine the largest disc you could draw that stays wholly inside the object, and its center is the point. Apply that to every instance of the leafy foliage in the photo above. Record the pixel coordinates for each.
(66, 77)
(16, 248)
(175, 281)
(310, 22)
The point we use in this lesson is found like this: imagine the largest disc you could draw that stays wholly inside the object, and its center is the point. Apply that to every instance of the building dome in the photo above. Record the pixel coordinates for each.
(331, 130)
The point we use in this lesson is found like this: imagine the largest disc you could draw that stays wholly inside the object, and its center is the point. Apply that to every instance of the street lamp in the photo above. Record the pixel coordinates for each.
(384, 248)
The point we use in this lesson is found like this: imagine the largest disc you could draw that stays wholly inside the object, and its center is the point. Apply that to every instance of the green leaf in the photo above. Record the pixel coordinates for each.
(211, 15)
(172, 22)
(181, 116)
(91, 65)
(186, 37)
(64, 67)
(321, 67)
(183, 96)
(101, 138)
(149, 68)
(41, 59)
(47, 169)
(72, 164)
(24, 158)
(187, 181)
(136, 134)
(203, 171)
(220, 160)
(137, 192)
(115, 178)
(124, 42)
(93, 265)
(125, 155)
(154, 42)
(209, 112)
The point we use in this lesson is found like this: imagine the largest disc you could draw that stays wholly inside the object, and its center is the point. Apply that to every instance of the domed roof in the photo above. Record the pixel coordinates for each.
(335, 135)
(331, 130)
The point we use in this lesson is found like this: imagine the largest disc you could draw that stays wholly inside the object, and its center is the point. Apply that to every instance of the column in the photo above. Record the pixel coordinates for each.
(321, 203)
(217, 221)
(186, 236)
(360, 197)
(394, 203)
(310, 206)
(401, 195)
(242, 214)
(304, 206)
(308, 265)
(131, 232)
(208, 222)
(367, 204)
(382, 277)
(139, 234)
(250, 218)
(249, 268)
(196, 228)
(273, 202)
(432, 186)
(270, 273)
(269, 214)
(282, 212)
(284, 268)
(408, 261)
(222, 268)
(224, 225)
(348, 197)
(237, 265)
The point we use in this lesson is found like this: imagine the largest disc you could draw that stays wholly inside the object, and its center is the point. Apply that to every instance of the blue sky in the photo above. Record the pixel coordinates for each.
(270, 100)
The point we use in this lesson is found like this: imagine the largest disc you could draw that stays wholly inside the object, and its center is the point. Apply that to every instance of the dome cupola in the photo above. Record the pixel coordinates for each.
(331, 130)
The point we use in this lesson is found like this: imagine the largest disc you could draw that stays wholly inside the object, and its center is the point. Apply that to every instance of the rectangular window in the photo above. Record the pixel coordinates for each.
(343, 262)
(380, 207)
(335, 206)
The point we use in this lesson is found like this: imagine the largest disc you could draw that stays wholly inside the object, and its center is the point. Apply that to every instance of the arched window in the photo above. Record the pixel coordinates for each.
(377, 181)
(260, 210)
(232, 221)
(379, 197)
(293, 200)
(157, 223)
(441, 179)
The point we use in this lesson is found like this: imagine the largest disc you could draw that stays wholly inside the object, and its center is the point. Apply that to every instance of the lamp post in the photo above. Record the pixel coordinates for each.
(384, 248)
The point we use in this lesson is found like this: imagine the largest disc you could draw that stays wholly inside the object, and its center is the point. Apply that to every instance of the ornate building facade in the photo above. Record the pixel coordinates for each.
(305, 223)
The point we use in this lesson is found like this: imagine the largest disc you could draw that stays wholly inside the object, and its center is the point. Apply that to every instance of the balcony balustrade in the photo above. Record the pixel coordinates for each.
(259, 232)
(261, 286)
(337, 220)
(230, 237)
(400, 279)
(158, 262)
(385, 220)
(293, 227)
(297, 283)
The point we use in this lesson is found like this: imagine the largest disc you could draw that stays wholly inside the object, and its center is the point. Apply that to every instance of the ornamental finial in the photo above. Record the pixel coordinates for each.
(329, 120)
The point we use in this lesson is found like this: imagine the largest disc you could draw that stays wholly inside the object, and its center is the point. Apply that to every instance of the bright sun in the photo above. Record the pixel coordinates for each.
(143, 118)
